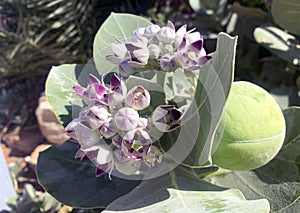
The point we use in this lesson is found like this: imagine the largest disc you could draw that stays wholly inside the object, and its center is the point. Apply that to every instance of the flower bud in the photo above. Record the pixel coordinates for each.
(126, 119)
(138, 98)
(151, 30)
(166, 118)
(138, 32)
(153, 40)
(168, 62)
(154, 51)
(168, 48)
(166, 34)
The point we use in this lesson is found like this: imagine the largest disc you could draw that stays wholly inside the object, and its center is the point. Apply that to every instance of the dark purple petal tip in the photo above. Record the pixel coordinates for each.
(198, 45)
(79, 90)
(92, 79)
(115, 81)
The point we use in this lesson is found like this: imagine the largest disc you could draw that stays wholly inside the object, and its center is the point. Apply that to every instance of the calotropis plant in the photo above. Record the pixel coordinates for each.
(151, 101)
(111, 126)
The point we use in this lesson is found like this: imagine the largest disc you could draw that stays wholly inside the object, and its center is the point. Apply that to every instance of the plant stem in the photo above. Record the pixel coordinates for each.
(160, 78)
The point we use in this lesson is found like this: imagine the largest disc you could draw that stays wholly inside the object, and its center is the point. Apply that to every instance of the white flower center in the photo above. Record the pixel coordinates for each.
(192, 55)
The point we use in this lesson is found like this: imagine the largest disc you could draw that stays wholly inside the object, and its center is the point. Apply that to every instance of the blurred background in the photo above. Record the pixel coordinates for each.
(38, 34)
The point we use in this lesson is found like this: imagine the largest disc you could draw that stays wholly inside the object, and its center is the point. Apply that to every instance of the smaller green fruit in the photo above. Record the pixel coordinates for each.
(252, 128)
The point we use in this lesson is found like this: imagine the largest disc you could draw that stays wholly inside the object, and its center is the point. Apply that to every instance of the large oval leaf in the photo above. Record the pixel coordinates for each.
(118, 26)
(213, 87)
(279, 180)
(180, 191)
(278, 42)
(73, 182)
(59, 88)
(292, 119)
(287, 14)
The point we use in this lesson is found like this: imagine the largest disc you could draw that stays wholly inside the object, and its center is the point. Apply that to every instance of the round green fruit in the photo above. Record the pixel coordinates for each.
(252, 128)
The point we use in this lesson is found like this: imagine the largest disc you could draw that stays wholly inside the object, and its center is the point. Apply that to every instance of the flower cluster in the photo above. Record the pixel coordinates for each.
(111, 130)
(161, 48)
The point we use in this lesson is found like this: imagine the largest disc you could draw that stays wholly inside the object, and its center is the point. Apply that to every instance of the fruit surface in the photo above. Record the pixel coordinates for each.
(252, 128)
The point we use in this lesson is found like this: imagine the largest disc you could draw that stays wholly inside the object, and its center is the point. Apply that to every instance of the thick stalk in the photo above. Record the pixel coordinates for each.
(160, 78)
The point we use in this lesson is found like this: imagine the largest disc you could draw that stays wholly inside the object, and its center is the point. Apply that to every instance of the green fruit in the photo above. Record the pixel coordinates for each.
(252, 128)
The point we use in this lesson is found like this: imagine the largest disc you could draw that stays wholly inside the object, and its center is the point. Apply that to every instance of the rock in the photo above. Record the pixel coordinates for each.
(51, 129)
(24, 140)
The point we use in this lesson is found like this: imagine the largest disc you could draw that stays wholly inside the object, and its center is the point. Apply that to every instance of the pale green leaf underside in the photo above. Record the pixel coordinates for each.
(59, 88)
(118, 26)
(229, 201)
(178, 193)
(213, 87)
(292, 119)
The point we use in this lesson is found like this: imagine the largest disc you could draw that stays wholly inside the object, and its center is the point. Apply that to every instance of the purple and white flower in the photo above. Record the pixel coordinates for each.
(119, 49)
(136, 144)
(116, 93)
(153, 156)
(138, 52)
(166, 118)
(86, 136)
(138, 98)
(190, 35)
(95, 115)
(108, 129)
(94, 91)
(125, 69)
(125, 165)
(192, 56)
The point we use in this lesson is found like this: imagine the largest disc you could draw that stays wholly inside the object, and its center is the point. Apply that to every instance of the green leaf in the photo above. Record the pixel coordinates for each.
(213, 87)
(117, 25)
(287, 14)
(73, 182)
(59, 89)
(279, 180)
(292, 120)
(180, 191)
(278, 42)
